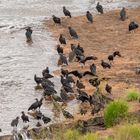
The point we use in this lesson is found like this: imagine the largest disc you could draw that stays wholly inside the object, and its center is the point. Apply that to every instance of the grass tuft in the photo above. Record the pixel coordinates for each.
(132, 95)
(76, 135)
(114, 112)
(128, 132)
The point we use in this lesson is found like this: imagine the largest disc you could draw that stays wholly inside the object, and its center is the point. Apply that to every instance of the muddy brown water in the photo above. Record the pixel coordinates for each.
(19, 61)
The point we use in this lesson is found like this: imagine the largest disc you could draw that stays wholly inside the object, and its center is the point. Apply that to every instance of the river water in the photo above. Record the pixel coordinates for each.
(19, 61)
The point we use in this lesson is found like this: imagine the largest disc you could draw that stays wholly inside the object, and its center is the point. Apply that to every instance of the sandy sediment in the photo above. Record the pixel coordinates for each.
(106, 35)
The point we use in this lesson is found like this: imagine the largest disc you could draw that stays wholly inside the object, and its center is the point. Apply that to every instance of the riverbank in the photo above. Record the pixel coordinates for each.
(106, 35)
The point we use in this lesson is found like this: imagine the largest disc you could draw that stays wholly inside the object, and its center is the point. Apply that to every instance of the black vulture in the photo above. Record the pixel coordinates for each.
(62, 39)
(38, 115)
(78, 52)
(88, 73)
(77, 49)
(73, 33)
(15, 122)
(63, 59)
(80, 48)
(34, 106)
(72, 56)
(29, 34)
(70, 79)
(80, 85)
(47, 82)
(24, 117)
(90, 100)
(76, 73)
(47, 75)
(56, 19)
(93, 68)
(108, 88)
(64, 72)
(59, 49)
(81, 74)
(116, 53)
(40, 103)
(64, 81)
(73, 46)
(123, 14)
(110, 58)
(30, 30)
(46, 119)
(99, 8)
(68, 89)
(38, 80)
(105, 64)
(46, 70)
(89, 17)
(47, 93)
(95, 82)
(83, 59)
(66, 12)
(57, 98)
(63, 94)
(67, 115)
(133, 26)
(81, 92)
(83, 96)
(49, 90)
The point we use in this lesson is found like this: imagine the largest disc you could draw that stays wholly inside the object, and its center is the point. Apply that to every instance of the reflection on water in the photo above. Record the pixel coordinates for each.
(20, 61)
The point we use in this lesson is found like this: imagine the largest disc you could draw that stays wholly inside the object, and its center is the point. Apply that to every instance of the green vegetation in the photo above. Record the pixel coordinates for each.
(128, 132)
(132, 95)
(114, 112)
(76, 135)
(123, 132)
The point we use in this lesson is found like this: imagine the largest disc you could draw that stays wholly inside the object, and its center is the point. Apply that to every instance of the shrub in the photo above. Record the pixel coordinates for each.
(132, 95)
(114, 112)
(128, 132)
